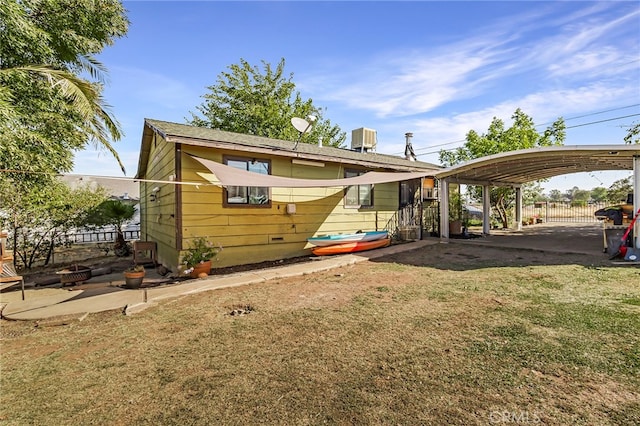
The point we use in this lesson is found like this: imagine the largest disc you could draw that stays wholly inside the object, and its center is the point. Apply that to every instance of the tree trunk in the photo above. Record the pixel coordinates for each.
(502, 212)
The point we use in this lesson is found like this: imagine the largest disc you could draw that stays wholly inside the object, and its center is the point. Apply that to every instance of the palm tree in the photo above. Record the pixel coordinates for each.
(84, 96)
(113, 213)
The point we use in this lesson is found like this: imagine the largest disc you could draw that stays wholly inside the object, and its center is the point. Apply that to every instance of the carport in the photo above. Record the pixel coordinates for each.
(514, 168)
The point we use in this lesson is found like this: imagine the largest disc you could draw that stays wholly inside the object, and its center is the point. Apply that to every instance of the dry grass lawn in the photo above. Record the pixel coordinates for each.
(442, 335)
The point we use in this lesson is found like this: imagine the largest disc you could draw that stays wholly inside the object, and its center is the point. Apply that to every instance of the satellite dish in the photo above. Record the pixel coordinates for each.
(301, 125)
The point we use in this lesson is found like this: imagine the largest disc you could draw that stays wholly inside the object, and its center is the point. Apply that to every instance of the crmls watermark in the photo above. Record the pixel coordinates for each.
(515, 417)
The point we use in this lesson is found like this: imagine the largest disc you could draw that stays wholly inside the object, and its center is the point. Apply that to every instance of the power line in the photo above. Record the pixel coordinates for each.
(591, 114)
(568, 127)
(132, 179)
(602, 121)
(441, 144)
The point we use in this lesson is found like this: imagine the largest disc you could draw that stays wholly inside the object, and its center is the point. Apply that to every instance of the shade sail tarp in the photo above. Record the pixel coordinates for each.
(230, 176)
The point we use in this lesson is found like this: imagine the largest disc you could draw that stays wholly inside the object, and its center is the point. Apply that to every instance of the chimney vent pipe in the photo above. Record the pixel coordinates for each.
(408, 149)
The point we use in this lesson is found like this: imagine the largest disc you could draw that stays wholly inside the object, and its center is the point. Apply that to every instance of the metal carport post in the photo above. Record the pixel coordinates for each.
(636, 198)
(486, 209)
(444, 208)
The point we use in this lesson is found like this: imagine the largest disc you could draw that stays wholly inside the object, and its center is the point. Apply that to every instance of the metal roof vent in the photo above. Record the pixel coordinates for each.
(364, 140)
(408, 149)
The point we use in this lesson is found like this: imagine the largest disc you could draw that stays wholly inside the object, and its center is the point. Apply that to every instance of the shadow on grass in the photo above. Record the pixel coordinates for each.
(462, 257)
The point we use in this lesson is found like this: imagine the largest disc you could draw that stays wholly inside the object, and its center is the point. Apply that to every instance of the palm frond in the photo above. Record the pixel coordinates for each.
(6, 105)
(87, 101)
(95, 68)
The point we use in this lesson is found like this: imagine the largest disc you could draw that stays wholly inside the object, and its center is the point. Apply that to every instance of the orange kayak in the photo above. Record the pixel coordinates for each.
(351, 247)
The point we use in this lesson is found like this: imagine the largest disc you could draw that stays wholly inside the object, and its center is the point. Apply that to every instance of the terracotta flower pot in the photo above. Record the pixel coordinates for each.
(133, 279)
(204, 267)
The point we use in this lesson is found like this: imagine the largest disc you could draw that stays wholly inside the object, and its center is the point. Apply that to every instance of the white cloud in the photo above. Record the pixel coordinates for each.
(544, 107)
(411, 82)
(589, 49)
(563, 52)
(601, 62)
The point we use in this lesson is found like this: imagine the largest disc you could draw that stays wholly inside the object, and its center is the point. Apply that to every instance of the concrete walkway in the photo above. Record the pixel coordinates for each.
(44, 303)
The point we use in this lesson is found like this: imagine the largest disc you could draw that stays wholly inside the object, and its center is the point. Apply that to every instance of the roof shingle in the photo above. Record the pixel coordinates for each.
(203, 136)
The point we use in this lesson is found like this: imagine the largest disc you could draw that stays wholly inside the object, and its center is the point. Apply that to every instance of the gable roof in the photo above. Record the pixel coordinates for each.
(213, 138)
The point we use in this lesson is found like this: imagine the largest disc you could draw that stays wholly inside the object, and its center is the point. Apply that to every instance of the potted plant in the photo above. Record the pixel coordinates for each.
(196, 260)
(133, 276)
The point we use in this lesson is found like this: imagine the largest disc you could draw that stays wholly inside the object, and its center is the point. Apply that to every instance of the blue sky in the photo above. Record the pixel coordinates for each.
(436, 69)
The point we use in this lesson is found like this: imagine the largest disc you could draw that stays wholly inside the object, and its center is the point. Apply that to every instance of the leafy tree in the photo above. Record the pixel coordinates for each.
(520, 135)
(556, 196)
(580, 197)
(39, 217)
(570, 194)
(599, 194)
(633, 134)
(48, 106)
(247, 100)
(532, 193)
(619, 189)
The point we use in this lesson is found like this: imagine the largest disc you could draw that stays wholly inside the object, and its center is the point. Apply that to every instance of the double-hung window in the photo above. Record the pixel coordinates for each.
(357, 196)
(237, 196)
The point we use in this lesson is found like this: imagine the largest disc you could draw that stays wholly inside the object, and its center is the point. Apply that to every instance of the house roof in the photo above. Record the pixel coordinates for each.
(118, 188)
(213, 138)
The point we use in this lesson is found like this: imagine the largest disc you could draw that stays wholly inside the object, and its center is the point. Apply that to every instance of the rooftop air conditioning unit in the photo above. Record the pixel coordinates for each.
(363, 139)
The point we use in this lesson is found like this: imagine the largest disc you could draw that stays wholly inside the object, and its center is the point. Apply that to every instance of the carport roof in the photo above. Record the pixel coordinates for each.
(518, 167)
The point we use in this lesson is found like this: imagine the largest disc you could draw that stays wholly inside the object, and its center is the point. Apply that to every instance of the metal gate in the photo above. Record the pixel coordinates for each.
(547, 211)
